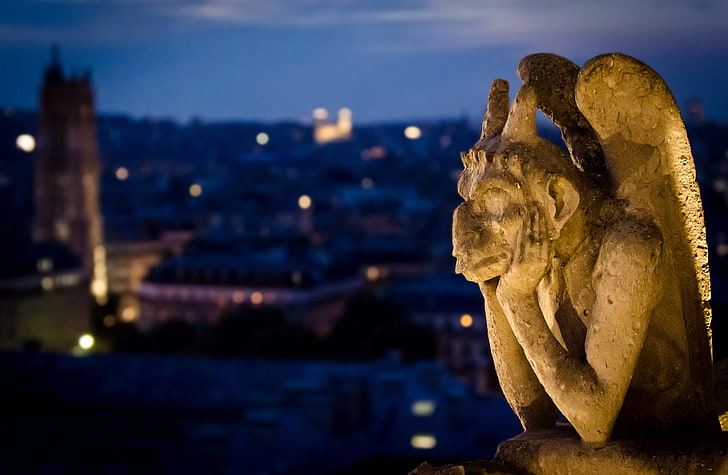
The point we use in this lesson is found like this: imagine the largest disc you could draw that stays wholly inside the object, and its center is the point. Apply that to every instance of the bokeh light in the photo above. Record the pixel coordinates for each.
(25, 142)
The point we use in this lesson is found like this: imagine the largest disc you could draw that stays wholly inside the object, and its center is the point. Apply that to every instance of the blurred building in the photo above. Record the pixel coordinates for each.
(128, 264)
(325, 131)
(67, 172)
(44, 300)
(453, 309)
(141, 414)
(210, 278)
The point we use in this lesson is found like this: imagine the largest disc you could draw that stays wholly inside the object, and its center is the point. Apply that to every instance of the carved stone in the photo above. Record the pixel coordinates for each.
(592, 263)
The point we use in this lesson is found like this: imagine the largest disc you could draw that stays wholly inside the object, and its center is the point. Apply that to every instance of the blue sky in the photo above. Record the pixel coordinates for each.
(384, 59)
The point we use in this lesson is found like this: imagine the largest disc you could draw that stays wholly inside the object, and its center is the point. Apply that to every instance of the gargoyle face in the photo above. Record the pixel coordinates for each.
(487, 224)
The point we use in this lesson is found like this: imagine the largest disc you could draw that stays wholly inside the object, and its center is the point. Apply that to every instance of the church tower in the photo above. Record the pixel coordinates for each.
(67, 172)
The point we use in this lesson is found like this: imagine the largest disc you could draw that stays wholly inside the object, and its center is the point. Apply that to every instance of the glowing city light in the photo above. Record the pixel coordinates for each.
(262, 138)
(412, 132)
(367, 183)
(320, 113)
(304, 202)
(86, 341)
(109, 321)
(373, 273)
(423, 408)
(423, 441)
(466, 320)
(129, 314)
(122, 173)
(256, 298)
(238, 297)
(195, 190)
(46, 283)
(44, 265)
(25, 142)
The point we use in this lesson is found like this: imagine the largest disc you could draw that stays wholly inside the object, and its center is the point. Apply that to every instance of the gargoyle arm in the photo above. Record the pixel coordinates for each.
(590, 393)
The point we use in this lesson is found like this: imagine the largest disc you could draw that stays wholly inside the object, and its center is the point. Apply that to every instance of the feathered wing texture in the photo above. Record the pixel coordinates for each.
(651, 166)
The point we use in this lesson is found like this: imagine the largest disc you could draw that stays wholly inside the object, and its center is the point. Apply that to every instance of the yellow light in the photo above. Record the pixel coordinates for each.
(262, 138)
(44, 265)
(238, 297)
(367, 183)
(320, 113)
(412, 132)
(256, 298)
(25, 142)
(304, 202)
(86, 341)
(46, 283)
(423, 441)
(122, 173)
(466, 320)
(423, 408)
(195, 190)
(129, 314)
(372, 273)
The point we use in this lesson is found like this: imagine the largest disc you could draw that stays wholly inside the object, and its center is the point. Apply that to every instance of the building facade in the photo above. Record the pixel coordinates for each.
(67, 171)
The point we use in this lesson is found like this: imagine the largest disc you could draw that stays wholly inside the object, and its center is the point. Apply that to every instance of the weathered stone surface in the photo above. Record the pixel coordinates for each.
(593, 266)
(560, 452)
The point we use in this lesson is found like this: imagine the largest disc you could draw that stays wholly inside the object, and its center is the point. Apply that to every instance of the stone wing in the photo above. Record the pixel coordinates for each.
(650, 165)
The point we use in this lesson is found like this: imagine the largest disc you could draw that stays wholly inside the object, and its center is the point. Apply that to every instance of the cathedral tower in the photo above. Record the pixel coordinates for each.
(67, 172)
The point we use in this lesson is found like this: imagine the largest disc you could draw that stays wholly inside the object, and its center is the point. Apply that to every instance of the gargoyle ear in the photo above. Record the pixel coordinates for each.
(563, 201)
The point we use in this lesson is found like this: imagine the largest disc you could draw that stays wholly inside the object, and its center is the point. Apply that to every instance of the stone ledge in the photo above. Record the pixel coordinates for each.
(560, 451)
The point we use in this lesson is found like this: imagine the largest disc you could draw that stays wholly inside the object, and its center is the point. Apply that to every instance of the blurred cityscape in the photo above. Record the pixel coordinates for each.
(238, 297)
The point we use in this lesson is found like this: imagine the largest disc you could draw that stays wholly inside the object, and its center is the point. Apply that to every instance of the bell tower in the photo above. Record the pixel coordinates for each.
(67, 171)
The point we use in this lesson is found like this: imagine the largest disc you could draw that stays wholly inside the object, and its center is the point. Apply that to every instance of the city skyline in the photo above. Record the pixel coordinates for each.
(396, 60)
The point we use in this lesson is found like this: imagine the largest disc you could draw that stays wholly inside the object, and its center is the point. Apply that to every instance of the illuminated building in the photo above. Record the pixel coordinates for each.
(325, 132)
(202, 284)
(67, 172)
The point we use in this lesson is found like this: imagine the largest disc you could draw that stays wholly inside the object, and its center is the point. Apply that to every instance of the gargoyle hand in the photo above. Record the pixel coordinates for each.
(533, 254)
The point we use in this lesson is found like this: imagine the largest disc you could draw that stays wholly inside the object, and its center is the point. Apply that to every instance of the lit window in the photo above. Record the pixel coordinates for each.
(44, 265)
(304, 202)
(86, 341)
(423, 408)
(373, 273)
(195, 190)
(256, 298)
(412, 132)
(466, 320)
(25, 142)
(320, 113)
(423, 441)
(129, 314)
(122, 173)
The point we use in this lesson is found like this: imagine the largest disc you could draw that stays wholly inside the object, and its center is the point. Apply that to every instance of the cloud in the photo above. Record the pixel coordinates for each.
(434, 24)
(406, 25)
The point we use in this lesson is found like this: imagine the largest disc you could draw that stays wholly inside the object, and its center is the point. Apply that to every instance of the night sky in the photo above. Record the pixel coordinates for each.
(384, 59)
